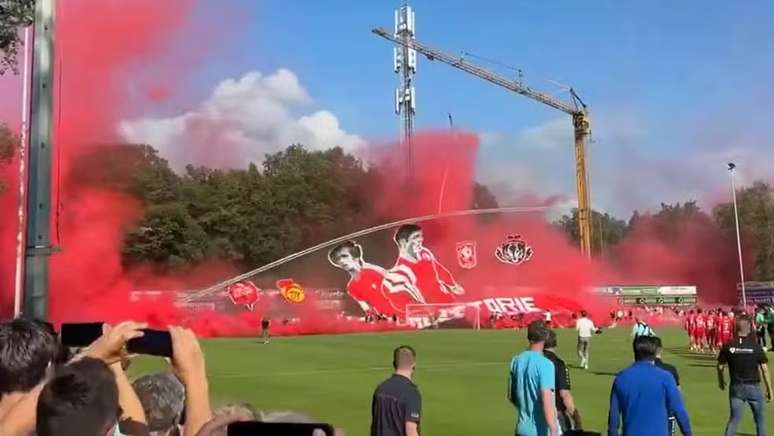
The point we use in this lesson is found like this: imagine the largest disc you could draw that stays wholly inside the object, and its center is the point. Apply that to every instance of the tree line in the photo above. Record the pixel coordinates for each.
(298, 197)
(756, 222)
(295, 199)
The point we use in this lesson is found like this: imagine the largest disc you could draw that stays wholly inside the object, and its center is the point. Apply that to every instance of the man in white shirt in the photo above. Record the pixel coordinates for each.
(586, 329)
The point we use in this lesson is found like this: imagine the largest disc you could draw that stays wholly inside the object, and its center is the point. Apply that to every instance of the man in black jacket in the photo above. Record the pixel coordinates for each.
(569, 417)
(672, 370)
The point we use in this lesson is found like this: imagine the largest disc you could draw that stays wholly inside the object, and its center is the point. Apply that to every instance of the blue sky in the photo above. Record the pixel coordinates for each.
(661, 78)
(666, 59)
(675, 89)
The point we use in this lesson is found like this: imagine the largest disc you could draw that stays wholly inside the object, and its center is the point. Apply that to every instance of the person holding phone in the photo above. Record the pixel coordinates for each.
(396, 406)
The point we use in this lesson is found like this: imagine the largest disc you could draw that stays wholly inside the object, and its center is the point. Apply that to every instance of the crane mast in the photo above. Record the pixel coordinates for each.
(405, 64)
(575, 108)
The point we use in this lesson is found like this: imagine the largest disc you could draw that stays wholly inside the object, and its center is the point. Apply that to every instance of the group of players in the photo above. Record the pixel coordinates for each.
(709, 330)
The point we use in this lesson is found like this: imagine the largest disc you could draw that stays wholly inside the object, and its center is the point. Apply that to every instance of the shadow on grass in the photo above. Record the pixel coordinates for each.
(692, 356)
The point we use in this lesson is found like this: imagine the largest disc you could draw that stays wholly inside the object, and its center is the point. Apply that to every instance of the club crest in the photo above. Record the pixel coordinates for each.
(291, 291)
(513, 251)
(466, 254)
(244, 293)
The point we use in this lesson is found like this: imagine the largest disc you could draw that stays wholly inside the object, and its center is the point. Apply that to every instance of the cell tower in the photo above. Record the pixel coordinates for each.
(405, 63)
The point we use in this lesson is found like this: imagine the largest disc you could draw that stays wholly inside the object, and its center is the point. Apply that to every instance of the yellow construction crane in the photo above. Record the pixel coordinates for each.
(575, 108)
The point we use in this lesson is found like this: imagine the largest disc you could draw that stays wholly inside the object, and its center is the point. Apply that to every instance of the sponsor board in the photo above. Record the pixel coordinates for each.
(647, 290)
(652, 300)
(750, 286)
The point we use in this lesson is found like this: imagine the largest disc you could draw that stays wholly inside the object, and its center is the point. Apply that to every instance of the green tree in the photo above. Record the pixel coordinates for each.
(756, 224)
(483, 198)
(167, 235)
(296, 199)
(14, 15)
(670, 219)
(306, 197)
(606, 229)
(152, 179)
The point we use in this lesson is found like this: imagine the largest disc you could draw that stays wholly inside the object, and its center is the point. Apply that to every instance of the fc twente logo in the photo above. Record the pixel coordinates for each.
(513, 251)
(466, 254)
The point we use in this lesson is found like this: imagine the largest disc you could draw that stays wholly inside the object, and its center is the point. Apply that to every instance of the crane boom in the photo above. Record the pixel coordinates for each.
(576, 108)
(462, 64)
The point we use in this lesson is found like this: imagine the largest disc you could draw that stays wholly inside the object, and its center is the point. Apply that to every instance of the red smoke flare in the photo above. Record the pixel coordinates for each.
(101, 47)
(105, 48)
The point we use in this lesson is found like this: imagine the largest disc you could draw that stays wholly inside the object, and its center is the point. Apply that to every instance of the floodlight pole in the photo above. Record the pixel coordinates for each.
(38, 234)
(731, 168)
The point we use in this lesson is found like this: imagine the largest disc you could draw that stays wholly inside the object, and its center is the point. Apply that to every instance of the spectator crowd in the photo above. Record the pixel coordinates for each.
(46, 389)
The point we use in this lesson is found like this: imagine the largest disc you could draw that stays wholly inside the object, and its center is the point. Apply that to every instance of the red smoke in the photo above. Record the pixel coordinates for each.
(442, 181)
(9, 176)
(102, 48)
(696, 252)
(105, 47)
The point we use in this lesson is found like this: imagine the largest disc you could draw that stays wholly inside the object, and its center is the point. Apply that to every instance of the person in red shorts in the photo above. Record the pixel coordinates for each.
(726, 329)
(710, 320)
(700, 330)
(690, 327)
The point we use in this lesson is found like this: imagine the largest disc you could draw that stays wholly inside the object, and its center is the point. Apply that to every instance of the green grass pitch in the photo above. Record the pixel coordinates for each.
(462, 375)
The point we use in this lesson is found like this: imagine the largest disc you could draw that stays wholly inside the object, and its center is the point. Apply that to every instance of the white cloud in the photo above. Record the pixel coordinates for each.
(627, 169)
(551, 135)
(241, 121)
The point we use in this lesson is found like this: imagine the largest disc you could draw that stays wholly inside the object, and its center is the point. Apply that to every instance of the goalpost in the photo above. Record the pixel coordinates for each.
(432, 314)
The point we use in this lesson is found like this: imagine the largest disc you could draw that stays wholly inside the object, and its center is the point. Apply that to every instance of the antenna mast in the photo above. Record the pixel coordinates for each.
(405, 64)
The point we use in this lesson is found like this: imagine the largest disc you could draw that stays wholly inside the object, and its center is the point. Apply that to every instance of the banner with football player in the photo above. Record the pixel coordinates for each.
(417, 277)
(443, 271)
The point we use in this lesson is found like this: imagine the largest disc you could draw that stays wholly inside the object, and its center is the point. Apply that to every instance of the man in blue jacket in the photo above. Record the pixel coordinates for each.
(645, 396)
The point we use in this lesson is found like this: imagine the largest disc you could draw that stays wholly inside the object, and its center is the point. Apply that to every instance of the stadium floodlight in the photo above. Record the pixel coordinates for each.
(731, 170)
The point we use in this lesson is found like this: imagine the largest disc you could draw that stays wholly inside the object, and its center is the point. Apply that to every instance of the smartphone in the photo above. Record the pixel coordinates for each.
(152, 342)
(255, 428)
(80, 334)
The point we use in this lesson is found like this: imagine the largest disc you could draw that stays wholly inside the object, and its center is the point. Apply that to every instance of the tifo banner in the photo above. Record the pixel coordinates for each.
(446, 271)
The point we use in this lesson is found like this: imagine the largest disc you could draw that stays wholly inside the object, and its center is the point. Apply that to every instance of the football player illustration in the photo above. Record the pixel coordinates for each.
(376, 290)
(421, 269)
